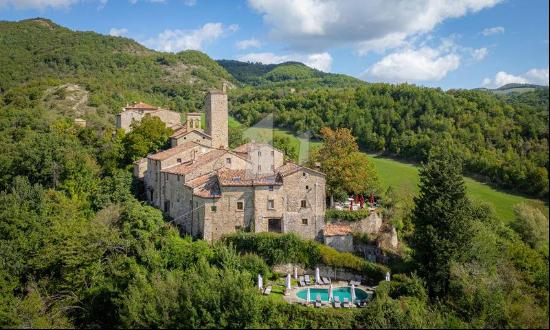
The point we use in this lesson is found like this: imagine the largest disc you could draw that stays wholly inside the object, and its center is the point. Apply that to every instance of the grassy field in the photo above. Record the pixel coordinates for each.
(403, 176)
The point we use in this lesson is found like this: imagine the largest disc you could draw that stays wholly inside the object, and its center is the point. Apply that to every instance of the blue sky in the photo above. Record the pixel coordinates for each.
(446, 43)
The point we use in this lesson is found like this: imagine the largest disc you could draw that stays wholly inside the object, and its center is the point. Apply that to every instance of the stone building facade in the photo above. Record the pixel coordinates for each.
(137, 111)
(210, 191)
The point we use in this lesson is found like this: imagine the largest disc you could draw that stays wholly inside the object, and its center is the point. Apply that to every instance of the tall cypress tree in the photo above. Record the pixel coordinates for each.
(442, 220)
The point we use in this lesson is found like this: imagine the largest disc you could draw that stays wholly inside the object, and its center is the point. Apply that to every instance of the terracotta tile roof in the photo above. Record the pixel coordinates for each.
(179, 132)
(290, 168)
(172, 151)
(141, 106)
(228, 177)
(206, 186)
(201, 160)
(182, 133)
(141, 160)
(333, 229)
(199, 181)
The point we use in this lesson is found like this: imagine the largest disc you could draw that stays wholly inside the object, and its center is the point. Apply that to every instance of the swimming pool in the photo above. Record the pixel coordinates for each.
(341, 293)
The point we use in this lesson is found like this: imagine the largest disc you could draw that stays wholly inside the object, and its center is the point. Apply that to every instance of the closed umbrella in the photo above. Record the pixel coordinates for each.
(330, 297)
(317, 276)
(388, 276)
(352, 292)
(260, 282)
(288, 283)
(308, 296)
(295, 273)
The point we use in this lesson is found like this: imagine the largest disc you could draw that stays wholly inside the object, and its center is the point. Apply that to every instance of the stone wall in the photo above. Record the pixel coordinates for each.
(193, 136)
(216, 119)
(342, 243)
(125, 118)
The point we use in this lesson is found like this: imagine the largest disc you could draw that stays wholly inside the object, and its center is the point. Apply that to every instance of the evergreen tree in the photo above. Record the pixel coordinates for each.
(442, 220)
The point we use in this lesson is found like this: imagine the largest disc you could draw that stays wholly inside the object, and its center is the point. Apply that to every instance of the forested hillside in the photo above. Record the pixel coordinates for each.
(502, 139)
(79, 249)
(288, 74)
(37, 54)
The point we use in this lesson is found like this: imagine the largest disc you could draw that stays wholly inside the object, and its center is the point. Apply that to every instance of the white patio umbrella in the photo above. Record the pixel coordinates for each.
(288, 282)
(330, 297)
(260, 282)
(308, 296)
(295, 273)
(317, 276)
(352, 292)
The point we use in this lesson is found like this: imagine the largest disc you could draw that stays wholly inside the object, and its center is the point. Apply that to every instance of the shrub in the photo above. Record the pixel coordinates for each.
(346, 215)
(288, 248)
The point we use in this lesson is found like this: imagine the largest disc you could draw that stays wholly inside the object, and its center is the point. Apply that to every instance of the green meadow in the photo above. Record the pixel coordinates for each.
(403, 176)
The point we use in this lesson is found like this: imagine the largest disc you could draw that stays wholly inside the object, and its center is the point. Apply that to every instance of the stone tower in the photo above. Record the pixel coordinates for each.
(216, 118)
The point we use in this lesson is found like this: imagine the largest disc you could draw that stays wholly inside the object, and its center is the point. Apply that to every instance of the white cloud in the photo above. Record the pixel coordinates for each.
(479, 54)
(424, 64)
(178, 40)
(248, 43)
(37, 4)
(374, 25)
(494, 30)
(118, 32)
(320, 61)
(533, 76)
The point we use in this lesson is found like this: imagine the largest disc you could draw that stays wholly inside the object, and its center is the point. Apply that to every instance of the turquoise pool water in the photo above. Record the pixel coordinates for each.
(341, 292)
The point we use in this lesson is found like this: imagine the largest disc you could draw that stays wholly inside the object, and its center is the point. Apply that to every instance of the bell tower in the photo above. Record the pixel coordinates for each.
(216, 118)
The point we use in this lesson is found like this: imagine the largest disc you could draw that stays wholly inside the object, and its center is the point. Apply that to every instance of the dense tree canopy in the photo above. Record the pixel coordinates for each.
(501, 139)
(347, 170)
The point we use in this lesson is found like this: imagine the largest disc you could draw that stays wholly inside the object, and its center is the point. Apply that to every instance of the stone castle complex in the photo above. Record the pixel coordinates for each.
(210, 190)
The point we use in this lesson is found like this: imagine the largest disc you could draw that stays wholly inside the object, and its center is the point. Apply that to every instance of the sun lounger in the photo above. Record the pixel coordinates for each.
(346, 303)
(308, 282)
(301, 281)
(337, 303)
(267, 290)
(325, 280)
(318, 301)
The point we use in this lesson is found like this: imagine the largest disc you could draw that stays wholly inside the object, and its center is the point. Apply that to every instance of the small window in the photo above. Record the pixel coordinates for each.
(228, 161)
(271, 204)
(270, 188)
(259, 167)
(307, 187)
(179, 160)
(213, 208)
(185, 137)
(303, 204)
(304, 222)
(304, 173)
(259, 153)
(240, 206)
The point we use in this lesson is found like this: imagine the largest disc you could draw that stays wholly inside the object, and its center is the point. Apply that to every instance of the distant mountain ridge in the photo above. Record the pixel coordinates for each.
(288, 73)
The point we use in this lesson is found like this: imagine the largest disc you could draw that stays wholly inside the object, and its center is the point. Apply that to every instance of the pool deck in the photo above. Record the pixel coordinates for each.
(292, 297)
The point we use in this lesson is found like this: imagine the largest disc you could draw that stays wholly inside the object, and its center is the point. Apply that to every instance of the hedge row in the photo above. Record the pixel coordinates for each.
(289, 248)
(346, 215)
